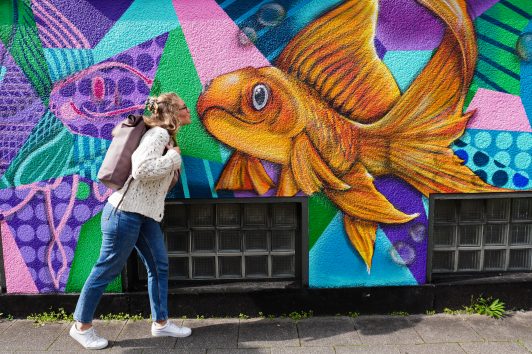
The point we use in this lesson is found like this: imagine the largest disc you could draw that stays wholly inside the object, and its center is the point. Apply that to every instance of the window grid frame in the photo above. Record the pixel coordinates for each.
(269, 227)
(508, 221)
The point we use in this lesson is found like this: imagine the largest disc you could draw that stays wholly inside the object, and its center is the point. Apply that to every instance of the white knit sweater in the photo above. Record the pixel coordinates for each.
(151, 175)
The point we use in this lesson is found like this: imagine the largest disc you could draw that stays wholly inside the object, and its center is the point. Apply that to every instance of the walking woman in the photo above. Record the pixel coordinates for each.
(131, 220)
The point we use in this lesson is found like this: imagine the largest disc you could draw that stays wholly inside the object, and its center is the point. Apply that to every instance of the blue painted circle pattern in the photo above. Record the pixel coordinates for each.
(500, 158)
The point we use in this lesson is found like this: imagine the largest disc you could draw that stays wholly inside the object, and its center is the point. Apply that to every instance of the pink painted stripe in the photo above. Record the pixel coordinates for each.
(498, 111)
(212, 39)
(18, 278)
(44, 17)
(44, 35)
(95, 68)
(56, 231)
(84, 42)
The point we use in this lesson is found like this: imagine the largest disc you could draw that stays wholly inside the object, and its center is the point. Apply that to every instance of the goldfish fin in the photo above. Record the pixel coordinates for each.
(287, 184)
(433, 104)
(415, 135)
(259, 178)
(235, 175)
(433, 169)
(362, 234)
(344, 69)
(244, 173)
(309, 169)
(364, 201)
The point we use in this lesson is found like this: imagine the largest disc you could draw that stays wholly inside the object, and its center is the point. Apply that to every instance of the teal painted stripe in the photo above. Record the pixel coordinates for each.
(68, 62)
(226, 3)
(208, 172)
(3, 71)
(92, 149)
(184, 181)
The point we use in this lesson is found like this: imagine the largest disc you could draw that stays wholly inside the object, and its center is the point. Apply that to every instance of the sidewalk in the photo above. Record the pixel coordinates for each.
(377, 334)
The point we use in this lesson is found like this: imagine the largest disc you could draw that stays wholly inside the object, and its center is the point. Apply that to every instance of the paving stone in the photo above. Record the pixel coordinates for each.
(525, 318)
(137, 334)
(494, 330)
(240, 351)
(445, 328)
(25, 335)
(305, 350)
(327, 331)
(211, 333)
(107, 329)
(4, 324)
(439, 348)
(256, 333)
(386, 330)
(493, 347)
(367, 349)
(173, 351)
(527, 344)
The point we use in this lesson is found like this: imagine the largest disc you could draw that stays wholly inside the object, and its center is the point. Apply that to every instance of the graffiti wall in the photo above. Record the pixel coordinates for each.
(366, 107)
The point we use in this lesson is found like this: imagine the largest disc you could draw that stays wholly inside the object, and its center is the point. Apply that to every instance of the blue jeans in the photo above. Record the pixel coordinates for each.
(122, 231)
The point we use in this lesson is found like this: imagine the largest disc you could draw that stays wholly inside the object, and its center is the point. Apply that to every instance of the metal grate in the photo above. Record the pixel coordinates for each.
(481, 234)
(210, 241)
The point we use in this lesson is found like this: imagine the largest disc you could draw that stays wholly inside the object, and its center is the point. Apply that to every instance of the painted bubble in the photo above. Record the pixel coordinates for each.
(418, 232)
(402, 253)
(247, 36)
(523, 46)
(271, 14)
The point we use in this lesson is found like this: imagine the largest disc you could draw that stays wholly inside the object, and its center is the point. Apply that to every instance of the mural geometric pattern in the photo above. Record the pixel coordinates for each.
(46, 218)
(93, 101)
(69, 74)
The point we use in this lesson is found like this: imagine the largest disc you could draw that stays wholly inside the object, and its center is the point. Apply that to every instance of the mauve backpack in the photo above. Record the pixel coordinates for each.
(116, 166)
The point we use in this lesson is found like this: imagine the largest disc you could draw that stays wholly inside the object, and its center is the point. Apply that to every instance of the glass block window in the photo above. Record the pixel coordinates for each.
(481, 234)
(221, 241)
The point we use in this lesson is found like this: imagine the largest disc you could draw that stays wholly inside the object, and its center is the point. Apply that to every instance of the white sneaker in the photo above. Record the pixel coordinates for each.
(89, 339)
(170, 330)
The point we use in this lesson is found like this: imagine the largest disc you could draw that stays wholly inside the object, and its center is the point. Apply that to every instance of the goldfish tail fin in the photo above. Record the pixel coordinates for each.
(416, 133)
(435, 169)
(362, 234)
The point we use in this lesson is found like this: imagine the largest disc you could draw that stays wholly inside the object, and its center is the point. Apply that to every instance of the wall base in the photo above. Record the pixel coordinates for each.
(276, 301)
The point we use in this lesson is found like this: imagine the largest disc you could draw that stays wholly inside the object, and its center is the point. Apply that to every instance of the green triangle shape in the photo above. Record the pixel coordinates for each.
(177, 73)
(86, 255)
(321, 211)
(6, 21)
(26, 49)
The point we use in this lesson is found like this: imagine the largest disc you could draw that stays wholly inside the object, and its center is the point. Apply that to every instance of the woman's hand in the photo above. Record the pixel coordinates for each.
(171, 146)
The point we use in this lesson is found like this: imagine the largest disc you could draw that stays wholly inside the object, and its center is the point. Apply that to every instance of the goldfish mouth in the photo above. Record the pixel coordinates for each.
(216, 110)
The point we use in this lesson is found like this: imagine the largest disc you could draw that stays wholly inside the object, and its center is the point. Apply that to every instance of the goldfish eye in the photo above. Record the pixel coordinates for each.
(261, 93)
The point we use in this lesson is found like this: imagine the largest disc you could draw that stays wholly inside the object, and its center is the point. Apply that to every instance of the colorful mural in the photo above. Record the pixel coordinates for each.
(366, 107)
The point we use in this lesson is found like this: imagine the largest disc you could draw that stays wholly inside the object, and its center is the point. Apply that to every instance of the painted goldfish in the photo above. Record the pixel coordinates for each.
(331, 114)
